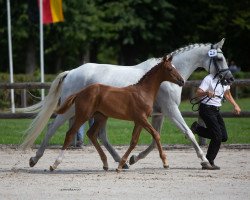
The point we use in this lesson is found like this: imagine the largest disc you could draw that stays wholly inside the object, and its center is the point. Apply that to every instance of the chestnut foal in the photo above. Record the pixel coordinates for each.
(133, 103)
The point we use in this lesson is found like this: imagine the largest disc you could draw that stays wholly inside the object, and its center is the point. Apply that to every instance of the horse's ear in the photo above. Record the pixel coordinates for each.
(219, 44)
(167, 58)
(164, 58)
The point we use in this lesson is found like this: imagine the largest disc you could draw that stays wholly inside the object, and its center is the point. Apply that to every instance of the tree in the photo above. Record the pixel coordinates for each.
(122, 32)
(210, 21)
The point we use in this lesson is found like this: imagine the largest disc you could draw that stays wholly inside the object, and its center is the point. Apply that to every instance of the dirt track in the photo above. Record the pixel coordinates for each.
(80, 176)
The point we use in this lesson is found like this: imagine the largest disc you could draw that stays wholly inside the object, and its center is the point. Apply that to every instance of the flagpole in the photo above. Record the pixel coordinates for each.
(10, 56)
(41, 46)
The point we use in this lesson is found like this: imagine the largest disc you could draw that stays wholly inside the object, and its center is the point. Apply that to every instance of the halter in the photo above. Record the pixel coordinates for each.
(213, 53)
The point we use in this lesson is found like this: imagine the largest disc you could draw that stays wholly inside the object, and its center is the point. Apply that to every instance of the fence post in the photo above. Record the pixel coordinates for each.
(23, 98)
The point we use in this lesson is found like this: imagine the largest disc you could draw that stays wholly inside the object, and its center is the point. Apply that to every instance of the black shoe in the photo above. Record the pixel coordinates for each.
(211, 167)
(194, 127)
(215, 167)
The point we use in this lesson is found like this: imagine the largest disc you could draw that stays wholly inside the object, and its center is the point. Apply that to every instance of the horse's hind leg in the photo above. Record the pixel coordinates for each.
(92, 134)
(157, 121)
(102, 135)
(133, 142)
(59, 120)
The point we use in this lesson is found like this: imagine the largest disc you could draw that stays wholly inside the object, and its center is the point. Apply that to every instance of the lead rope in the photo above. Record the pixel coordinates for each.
(197, 100)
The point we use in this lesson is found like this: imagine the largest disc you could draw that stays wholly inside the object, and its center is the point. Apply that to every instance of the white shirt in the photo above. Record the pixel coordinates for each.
(209, 84)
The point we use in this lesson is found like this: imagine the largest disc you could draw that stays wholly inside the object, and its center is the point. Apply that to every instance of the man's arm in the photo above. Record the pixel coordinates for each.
(230, 98)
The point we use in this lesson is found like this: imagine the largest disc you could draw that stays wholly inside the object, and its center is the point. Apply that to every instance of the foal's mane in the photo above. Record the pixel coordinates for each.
(151, 71)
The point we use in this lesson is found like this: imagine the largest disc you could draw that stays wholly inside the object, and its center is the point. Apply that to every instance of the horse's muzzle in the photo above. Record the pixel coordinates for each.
(227, 81)
(180, 82)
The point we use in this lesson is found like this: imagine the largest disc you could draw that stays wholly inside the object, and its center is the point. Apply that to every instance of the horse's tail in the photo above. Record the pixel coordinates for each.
(46, 109)
(66, 105)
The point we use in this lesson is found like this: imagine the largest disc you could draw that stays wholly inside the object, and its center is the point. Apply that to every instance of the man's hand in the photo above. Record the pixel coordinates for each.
(236, 110)
(210, 94)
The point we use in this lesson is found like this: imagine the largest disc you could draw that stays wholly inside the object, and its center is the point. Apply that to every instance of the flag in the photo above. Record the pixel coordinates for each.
(52, 11)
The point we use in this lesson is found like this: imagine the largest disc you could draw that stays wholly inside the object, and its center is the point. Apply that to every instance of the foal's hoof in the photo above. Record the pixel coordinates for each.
(32, 162)
(125, 166)
(51, 169)
(132, 160)
(118, 170)
(166, 166)
(105, 168)
(206, 165)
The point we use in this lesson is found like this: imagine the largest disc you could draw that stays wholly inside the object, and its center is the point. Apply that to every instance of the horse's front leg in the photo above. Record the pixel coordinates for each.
(176, 117)
(133, 142)
(60, 119)
(157, 121)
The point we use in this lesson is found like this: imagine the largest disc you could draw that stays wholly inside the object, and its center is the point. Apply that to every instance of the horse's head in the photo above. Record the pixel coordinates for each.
(171, 73)
(216, 63)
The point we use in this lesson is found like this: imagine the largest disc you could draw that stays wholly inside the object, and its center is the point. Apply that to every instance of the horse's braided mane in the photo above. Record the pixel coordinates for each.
(187, 48)
(177, 51)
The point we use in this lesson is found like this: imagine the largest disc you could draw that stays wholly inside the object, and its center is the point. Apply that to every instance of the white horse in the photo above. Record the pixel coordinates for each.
(168, 99)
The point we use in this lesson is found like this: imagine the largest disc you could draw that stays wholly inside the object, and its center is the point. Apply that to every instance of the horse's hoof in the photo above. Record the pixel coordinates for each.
(132, 160)
(32, 162)
(105, 168)
(206, 165)
(51, 169)
(125, 166)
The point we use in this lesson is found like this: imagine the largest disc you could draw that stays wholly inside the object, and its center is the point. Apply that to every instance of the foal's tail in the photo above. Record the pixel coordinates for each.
(66, 105)
(45, 108)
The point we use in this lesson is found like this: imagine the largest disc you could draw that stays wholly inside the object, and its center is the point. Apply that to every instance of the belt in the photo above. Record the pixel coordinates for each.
(210, 106)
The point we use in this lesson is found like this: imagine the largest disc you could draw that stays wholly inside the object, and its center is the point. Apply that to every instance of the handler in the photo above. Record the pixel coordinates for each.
(211, 92)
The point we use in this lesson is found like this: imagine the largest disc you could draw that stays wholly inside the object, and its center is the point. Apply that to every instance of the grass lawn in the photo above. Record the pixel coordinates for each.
(119, 132)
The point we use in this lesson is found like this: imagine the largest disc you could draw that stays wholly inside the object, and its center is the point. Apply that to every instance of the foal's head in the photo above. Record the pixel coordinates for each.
(171, 74)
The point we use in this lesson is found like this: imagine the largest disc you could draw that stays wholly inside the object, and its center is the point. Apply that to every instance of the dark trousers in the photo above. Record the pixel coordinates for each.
(216, 130)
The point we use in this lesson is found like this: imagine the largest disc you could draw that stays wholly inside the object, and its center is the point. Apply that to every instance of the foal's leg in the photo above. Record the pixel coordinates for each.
(102, 135)
(92, 134)
(133, 142)
(157, 121)
(156, 137)
(68, 139)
